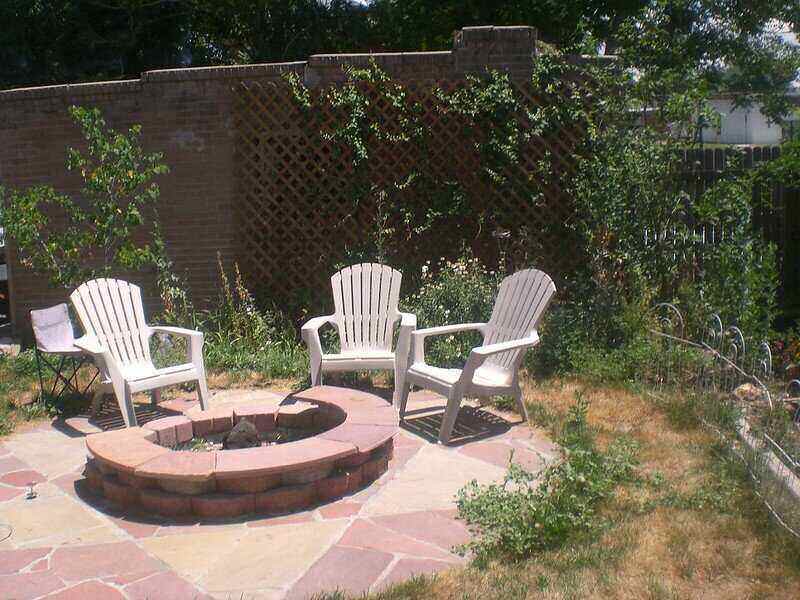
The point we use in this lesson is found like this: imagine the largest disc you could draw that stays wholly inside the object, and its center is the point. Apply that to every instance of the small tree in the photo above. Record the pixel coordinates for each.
(72, 240)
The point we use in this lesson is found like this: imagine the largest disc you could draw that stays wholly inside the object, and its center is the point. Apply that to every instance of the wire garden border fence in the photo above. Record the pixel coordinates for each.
(716, 362)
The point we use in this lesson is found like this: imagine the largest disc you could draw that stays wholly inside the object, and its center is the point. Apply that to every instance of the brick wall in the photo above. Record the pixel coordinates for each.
(187, 114)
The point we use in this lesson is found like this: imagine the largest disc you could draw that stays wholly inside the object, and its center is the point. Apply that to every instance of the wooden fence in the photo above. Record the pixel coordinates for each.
(777, 213)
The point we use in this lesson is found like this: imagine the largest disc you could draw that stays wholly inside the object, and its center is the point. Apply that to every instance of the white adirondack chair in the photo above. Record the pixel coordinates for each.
(112, 316)
(365, 298)
(492, 368)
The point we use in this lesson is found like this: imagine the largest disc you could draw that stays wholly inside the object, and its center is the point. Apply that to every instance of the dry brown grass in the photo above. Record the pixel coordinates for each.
(698, 533)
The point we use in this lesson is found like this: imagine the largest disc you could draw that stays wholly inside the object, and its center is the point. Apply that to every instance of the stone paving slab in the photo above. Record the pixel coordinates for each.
(68, 544)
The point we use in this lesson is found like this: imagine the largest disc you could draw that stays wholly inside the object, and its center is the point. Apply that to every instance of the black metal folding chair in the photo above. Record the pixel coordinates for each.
(56, 350)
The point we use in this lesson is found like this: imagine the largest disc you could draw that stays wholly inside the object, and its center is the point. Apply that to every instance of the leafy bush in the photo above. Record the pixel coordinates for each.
(98, 236)
(460, 291)
(529, 513)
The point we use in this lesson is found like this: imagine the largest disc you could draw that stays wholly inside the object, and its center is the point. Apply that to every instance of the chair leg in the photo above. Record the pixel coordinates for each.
(399, 384)
(155, 396)
(402, 399)
(97, 399)
(39, 370)
(523, 410)
(202, 393)
(125, 402)
(450, 414)
(315, 364)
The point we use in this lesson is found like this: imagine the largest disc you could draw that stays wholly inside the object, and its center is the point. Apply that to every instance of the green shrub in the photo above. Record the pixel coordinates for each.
(527, 513)
(460, 291)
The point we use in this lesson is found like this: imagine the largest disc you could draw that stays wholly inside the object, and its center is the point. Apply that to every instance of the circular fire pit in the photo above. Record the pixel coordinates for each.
(350, 445)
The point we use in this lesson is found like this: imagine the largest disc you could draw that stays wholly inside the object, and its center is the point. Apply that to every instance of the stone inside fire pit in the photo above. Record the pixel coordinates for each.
(316, 446)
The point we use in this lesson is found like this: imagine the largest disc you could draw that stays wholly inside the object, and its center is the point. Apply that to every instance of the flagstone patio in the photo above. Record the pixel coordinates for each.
(68, 543)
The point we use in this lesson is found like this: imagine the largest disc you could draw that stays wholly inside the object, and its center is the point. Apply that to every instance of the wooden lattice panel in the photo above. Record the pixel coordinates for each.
(297, 190)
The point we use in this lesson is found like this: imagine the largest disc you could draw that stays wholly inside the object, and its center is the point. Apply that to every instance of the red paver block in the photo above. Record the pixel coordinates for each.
(94, 478)
(182, 465)
(214, 420)
(214, 506)
(171, 430)
(118, 492)
(117, 434)
(297, 414)
(260, 415)
(500, 454)
(22, 478)
(12, 561)
(11, 463)
(338, 485)
(27, 586)
(339, 396)
(267, 460)
(135, 528)
(364, 534)
(76, 563)
(136, 481)
(350, 570)
(364, 437)
(339, 510)
(165, 503)
(8, 493)
(249, 485)
(309, 475)
(88, 590)
(286, 499)
(164, 586)
(374, 468)
(123, 452)
(430, 526)
(386, 416)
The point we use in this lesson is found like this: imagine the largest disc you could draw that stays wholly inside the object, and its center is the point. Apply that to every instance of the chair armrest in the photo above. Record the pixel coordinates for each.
(103, 357)
(408, 323)
(315, 323)
(479, 355)
(176, 331)
(486, 351)
(418, 337)
(408, 320)
(310, 333)
(90, 345)
(194, 338)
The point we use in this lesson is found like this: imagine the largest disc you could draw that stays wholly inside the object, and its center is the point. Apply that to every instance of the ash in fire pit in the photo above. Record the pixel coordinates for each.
(245, 435)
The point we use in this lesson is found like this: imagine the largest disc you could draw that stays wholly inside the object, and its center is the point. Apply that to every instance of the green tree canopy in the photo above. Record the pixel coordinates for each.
(672, 45)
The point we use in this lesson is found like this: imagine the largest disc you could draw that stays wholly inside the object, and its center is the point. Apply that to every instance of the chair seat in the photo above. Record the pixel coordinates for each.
(359, 355)
(66, 350)
(141, 372)
(486, 377)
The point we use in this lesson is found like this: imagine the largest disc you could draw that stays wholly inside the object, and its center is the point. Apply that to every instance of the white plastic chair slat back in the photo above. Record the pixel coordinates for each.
(521, 302)
(114, 302)
(111, 311)
(116, 328)
(365, 299)
(358, 309)
(375, 338)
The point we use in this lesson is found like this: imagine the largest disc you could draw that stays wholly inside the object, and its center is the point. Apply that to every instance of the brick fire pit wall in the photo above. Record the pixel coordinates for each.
(136, 467)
